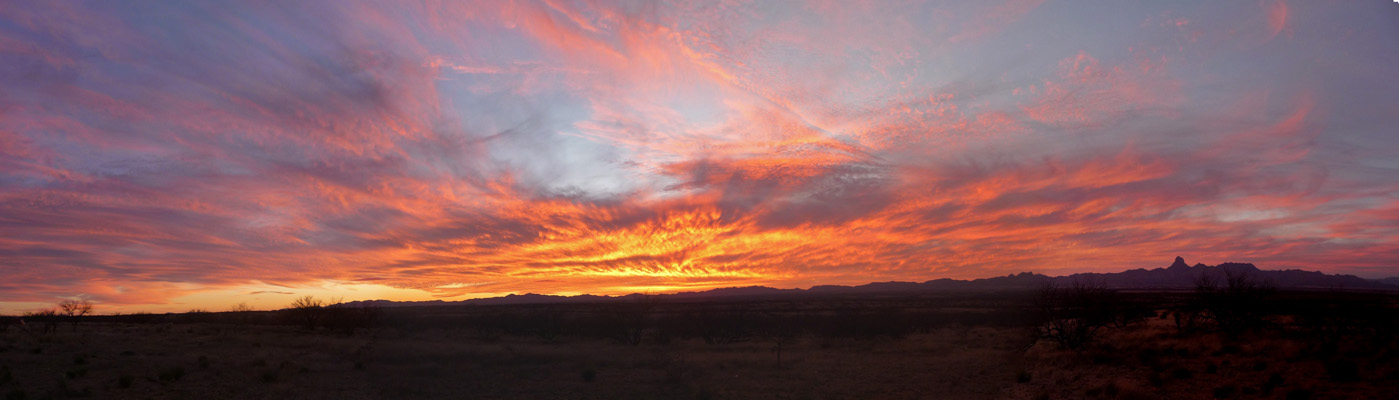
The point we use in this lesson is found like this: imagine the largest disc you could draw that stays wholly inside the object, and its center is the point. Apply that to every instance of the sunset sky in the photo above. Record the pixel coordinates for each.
(169, 155)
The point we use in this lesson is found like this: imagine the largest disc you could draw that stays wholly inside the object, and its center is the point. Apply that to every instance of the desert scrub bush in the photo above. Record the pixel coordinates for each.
(1236, 306)
(1156, 381)
(1074, 315)
(1273, 382)
(64, 390)
(631, 319)
(75, 309)
(1109, 389)
(589, 375)
(76, 373)
(345, 318)
(1022, 377)
(1182, 373)
(1343, 370)
(1299, 394)
(171, 374)
(722, 326)
(1224, 392)
(308, 310)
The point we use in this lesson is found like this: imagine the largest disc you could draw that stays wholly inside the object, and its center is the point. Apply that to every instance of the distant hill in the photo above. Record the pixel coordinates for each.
(1177, 276)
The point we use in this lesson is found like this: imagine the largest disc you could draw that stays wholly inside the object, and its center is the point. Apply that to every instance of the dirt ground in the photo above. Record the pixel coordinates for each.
(176, 361)
(925, 348)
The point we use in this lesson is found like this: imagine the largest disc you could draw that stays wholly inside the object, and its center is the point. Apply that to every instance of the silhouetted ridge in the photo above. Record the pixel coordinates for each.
(1178, 276)
(1179, 265)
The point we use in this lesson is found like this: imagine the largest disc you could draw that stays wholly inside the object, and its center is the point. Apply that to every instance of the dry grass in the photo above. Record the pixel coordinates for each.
(167, 361)
(843, 349)
(1154, 361)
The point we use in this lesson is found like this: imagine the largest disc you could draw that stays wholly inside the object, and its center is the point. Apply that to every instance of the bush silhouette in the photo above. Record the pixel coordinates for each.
(1235, 306)
(46, 320)
(308, 310)
(630, 319)
(1073, 316)
(75, 309)
(346, 318)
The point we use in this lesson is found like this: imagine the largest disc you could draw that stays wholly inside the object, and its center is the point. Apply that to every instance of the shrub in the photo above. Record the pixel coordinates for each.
(629, 320)
(589, 375)
(1275, 379)
(1182, 373)
(1299, 394)
(1073, 316)
(1148, 357)
(75, 309)
(171, 374)
(346, 318)
(1224, 392)
(1236, 306)
(1156, 380)
(1343, 370)
(1111, 389)
(308, 310)
(727, 326)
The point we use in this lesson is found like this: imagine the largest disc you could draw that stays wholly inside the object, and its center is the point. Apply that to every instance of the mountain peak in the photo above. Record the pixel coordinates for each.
(1179, 264)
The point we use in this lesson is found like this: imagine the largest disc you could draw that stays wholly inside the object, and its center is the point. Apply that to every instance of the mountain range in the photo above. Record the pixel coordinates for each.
(1177, 276)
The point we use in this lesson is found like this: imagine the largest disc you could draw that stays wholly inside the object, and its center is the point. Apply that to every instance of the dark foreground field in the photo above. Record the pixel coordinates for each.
(988, 345)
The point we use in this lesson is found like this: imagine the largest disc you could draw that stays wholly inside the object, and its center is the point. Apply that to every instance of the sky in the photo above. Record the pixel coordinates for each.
(167, 156)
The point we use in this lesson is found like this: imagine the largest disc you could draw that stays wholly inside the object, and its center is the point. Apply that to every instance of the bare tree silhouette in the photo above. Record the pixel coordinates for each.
(75, 309)
(309, 310)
